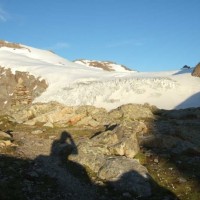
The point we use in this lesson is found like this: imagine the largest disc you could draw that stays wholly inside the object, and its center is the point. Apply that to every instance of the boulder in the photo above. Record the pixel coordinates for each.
(132, 112)
(121, 140)
(126, 175)
(90, 155)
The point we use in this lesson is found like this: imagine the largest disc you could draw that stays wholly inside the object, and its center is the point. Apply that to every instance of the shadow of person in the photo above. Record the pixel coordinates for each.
(63, 147)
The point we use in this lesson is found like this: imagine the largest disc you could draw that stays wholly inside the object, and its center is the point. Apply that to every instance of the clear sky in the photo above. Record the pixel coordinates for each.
(146, 35)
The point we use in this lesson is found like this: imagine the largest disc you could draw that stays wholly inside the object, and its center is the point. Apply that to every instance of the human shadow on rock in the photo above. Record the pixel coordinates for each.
(55, 177)
(127, 186)
(62, 149)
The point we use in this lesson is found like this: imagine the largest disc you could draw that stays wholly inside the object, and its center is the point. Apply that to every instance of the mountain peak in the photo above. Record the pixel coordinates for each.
(105, 65)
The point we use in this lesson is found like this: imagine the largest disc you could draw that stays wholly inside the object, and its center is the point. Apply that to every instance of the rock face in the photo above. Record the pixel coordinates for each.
(18, 88)
(196, 71)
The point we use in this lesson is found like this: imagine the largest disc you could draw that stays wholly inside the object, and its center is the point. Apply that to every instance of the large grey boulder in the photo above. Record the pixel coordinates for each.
(126, 175)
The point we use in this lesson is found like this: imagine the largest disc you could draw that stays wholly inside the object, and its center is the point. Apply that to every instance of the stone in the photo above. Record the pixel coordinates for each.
(75, 119)
(126, 175)
(4, 135)
(48, 124)
(29, 122)
(5, 143)
(90, 155)
(88, 121)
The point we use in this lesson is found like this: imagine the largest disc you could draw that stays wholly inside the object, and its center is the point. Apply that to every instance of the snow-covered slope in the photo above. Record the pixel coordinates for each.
(74, 84)
(104, 65)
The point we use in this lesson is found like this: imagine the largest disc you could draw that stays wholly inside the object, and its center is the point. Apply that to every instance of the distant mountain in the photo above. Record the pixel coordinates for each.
(105, 65)
(48, 77)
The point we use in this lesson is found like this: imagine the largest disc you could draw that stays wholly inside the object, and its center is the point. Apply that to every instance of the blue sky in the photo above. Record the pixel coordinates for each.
(146, 35)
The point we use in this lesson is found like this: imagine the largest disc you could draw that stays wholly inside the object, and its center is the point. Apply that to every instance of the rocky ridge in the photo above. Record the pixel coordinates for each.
(105, 65)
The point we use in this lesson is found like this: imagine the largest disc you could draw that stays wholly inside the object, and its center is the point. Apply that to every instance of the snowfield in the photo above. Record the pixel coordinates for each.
(75, 84)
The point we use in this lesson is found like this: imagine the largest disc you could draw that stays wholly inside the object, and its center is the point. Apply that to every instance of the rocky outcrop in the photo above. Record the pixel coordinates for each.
(10, 45)
(61, 116)
(18, 88)
(196, 71)
(110, 156)
(82, 116)
(132, 112)
(105, 65)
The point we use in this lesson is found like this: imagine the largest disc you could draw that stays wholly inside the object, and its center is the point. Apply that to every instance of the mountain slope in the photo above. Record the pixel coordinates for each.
(105, 65)
(75, 84)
